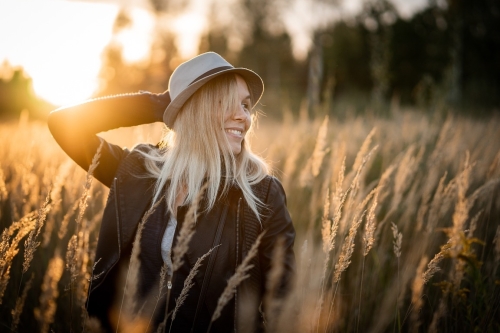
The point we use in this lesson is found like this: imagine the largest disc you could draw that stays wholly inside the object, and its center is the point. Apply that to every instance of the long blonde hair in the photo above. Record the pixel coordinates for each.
(197, 150)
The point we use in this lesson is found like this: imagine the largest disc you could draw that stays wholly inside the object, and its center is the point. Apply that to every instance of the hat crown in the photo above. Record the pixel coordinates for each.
(194, 73)
(187, 72)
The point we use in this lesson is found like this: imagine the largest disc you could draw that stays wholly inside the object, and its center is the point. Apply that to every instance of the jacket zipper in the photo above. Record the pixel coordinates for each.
(211, 262)
(115, 180)
(236, 264)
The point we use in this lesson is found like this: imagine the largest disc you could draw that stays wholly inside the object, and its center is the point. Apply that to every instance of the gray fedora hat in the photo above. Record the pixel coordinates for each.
(189, 76)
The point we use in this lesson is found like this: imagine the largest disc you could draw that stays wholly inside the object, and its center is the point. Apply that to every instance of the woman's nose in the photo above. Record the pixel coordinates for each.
(240, 113)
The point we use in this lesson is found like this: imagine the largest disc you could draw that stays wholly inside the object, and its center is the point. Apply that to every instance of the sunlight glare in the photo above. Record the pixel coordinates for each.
(60, 43)
(136, 39)
(188, 29)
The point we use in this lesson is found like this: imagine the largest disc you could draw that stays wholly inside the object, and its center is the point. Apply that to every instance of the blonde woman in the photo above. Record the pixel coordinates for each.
(208, 112)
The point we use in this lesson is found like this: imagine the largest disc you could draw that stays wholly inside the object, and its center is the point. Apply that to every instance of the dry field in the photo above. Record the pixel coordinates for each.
(397, 218)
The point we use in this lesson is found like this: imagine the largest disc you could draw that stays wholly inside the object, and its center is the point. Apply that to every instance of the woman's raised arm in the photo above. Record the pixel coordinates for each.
(75, 127)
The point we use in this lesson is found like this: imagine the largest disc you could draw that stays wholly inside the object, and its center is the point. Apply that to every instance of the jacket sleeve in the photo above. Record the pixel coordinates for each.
(75, 127)
(278, 223)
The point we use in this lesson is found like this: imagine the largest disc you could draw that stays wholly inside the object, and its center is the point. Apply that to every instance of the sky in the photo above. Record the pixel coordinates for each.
(59, 43)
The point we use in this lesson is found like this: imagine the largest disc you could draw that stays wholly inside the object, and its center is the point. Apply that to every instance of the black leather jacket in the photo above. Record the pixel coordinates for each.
(227, 224)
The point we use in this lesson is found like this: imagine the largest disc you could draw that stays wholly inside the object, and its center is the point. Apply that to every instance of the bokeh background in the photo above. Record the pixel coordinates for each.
(352, 54)
(380, 118)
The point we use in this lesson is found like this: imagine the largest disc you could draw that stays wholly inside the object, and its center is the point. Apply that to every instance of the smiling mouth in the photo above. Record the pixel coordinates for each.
(233, 131)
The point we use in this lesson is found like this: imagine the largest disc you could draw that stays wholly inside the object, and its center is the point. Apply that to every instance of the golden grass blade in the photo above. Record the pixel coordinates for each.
(186, 232)
(56, 200)
(3, 189)
(18, 308)
(63, 229)
(363, 150)
(129, 300)
(496, 241)
(72, 258)
(46, 311)
(398, 239)
(239, 275)
(31, 243)
(9, 247)
(370, 226)
(432, 266)
(416, 295)
(312, 168)
(188, 283)
(83, 202)
(273, 301)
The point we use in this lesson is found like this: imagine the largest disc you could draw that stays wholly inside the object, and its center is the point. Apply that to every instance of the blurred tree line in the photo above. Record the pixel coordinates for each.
(17, 95)
(446, 55)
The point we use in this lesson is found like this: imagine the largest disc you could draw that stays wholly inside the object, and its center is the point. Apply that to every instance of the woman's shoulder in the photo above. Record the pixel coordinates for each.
(134, 162)
(142, 148)
(268, 188)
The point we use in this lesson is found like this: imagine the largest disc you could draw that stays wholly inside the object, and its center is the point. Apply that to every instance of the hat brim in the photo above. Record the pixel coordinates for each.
(253, 80)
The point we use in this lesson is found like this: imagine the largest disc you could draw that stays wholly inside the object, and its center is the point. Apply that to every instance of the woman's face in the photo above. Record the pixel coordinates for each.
(238, 121)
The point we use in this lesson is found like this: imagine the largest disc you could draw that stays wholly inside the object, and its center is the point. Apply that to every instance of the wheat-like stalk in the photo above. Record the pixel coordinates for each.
(129, 298)
(291, 164)
(368, 240)
(432, 266)
(329, 232)
(438, 314)
(82, 232)
(31, 243)
(460, 216)
(63, 229)
(314, 163)
(46, 311)
(273, 301)
(406, 170)
(56, 200)
(188, 283)
(496, 241)
(184, 237)
(434, 210)
(320, 149)
(10, 247)
(83, 202)
(360, 156)
(18, 308)
(355, 185)
(370, 226)
(398, 239)
(234, 281)
(416, 294)
(163, 281)
(186, 232)
(326, 225)
(345, 254)
(72, 258)
(347, 249)
(3, 189)
(461, 212)
(397, 242)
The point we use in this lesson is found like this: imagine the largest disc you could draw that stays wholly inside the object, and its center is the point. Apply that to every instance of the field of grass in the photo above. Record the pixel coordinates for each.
(397, 219)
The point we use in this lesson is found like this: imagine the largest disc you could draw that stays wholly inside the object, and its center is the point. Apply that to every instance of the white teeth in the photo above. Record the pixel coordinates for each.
(233, 131)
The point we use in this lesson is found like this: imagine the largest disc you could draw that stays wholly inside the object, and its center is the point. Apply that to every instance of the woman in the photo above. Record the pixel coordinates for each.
(207, 109)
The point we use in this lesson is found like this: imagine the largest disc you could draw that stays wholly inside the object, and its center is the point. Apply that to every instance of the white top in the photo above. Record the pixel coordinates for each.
(166, 243)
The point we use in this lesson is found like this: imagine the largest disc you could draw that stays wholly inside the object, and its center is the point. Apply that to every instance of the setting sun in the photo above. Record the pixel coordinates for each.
(59, 43)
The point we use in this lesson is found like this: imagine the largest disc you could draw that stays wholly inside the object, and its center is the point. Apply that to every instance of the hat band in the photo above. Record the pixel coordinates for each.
(210, 72)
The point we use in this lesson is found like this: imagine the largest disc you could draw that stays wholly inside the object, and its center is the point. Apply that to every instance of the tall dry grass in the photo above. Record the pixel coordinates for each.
(373, 199)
